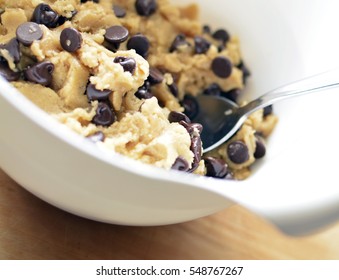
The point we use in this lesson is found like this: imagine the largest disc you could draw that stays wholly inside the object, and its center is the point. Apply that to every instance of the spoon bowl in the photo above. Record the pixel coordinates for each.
(221, 118)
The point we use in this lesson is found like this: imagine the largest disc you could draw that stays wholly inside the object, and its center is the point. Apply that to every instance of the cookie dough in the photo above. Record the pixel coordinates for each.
(124, 74)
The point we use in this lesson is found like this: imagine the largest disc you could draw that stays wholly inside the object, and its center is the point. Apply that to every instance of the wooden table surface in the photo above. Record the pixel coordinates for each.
(33, 229)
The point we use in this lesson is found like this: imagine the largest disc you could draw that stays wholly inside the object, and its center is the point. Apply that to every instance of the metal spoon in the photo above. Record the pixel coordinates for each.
(222, 118)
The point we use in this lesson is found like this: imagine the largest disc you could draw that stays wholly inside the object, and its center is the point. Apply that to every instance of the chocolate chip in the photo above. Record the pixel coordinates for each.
(155, 76)
(196, 149)
(44, 14)
(268, 110)
(206, 29)
(7, 73)
(237, 152)
(95, 94)
(214, 90)
(221, 48)
(29, 32)
(147, 84)
(144, 92)
(104, 115)
(116, 34)
(222, 35)
(191, 106)
(145, 7)
(177, 117)
(174, 89)
(260, 148)
(40, 73)
(216, 168)
(178, 42)
(84, 1)
(63, 19)
(70, 39)
(161, 103)
(232, 95)
(13, 49)
(201, 45)
(119, 12)
(96, 137)
(194, 129)
(140, 44)
(222, 67)
(111, 47)
(127, 63)
(180, 164)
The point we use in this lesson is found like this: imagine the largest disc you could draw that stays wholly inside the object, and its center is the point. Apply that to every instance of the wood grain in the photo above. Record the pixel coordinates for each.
(33, 229)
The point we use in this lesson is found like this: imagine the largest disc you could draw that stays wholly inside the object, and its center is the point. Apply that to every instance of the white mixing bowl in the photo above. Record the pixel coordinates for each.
(295, 187)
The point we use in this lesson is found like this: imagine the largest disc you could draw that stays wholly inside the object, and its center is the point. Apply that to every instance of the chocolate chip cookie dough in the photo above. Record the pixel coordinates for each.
(124, 74)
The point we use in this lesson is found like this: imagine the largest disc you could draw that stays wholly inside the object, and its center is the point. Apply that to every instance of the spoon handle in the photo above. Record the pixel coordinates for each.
(326, 80)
